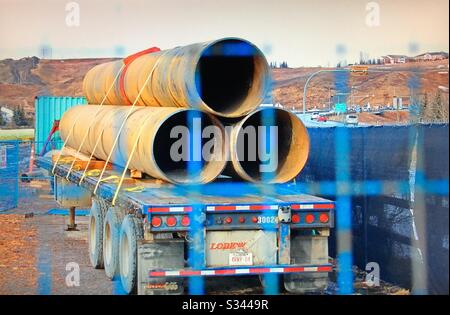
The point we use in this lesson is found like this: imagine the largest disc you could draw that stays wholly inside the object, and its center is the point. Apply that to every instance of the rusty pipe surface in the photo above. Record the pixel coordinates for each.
(261, 153)
(153, 129)
(227, 77)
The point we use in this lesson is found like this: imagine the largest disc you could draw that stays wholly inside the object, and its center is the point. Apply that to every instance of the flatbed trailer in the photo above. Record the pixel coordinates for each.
(158, 234)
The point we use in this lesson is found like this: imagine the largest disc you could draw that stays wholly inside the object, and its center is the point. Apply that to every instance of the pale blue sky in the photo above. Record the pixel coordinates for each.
(303, 32)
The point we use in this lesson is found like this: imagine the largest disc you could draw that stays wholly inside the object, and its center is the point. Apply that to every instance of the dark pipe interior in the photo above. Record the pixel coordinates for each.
(266, 117)
(180, 171)
(225, 74)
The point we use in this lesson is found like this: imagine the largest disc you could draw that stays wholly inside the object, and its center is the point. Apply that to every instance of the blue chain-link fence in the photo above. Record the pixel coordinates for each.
(16, 172)
(9, 174)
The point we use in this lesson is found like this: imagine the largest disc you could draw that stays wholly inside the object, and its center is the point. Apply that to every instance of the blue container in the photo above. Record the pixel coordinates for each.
(47, 110)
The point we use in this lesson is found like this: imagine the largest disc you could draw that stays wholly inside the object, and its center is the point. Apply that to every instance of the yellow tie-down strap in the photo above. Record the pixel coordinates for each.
(66, 160)
(94, 173)
(135, 189)
(113, 179)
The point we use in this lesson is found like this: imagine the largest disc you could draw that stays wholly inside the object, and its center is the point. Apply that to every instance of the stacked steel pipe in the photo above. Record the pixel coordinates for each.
(223, 80)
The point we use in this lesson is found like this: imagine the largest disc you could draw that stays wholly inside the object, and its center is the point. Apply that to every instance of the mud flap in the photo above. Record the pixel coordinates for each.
(158, 255)
(308, 250)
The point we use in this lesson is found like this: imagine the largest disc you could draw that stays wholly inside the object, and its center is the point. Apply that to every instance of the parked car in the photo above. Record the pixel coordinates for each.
(351, 119)
(315, 115)
(322, 118)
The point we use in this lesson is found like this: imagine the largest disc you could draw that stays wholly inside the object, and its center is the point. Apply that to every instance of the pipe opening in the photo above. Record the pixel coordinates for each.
(231, 77)
(181, 157)
(284, 140)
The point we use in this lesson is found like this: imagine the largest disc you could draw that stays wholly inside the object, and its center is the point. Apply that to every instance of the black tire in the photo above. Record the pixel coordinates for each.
(111, 241)
(95, 235)
(130, 233)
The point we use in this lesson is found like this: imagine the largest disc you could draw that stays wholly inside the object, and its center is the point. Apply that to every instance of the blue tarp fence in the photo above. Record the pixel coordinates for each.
(400, 219)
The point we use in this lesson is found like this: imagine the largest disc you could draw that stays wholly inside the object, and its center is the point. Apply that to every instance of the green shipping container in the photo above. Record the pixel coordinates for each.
(47, 110)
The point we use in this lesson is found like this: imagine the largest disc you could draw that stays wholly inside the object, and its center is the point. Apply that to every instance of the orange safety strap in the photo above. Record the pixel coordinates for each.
(127, 61)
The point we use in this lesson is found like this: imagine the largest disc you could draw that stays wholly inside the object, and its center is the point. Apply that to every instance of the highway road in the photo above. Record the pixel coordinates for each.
(306, 119)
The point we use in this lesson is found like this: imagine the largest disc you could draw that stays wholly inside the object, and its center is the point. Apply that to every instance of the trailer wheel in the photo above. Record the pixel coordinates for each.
(96, 235)
(130, 233)
(111, 240)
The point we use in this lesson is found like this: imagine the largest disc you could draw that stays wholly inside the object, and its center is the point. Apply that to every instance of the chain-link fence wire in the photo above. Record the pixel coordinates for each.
(18, 174)
(9, 174)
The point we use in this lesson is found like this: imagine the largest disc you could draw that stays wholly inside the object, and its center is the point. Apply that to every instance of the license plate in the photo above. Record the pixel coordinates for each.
(240, 259)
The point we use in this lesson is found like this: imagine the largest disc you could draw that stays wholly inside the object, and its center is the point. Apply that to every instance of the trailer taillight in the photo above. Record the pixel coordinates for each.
(295, 218)
(228, 220)
(324, 218)
(309, 218)
(241, 219)
(185, 221)
(171, 221)
(156, 221)
(255, 219)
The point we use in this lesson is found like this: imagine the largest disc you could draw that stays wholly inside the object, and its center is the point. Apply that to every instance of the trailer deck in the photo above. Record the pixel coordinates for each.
(158, 196)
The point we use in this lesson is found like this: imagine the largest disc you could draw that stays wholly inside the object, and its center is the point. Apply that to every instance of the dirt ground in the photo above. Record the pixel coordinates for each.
(37, 255)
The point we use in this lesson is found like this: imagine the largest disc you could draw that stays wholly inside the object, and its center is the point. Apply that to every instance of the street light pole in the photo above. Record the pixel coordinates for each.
(312, 76)
(332, 70)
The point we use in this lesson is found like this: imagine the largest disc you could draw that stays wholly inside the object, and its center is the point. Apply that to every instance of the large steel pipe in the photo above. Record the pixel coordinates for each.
(270, 145)
(164, 136)
(227, 77)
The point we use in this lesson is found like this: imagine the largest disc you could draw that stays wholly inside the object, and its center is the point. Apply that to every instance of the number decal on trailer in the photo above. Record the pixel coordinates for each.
(267, 219)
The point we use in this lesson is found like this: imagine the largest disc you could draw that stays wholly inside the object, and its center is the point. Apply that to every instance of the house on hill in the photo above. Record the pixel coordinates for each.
(7, 114)
(431, 56)
(393, 59)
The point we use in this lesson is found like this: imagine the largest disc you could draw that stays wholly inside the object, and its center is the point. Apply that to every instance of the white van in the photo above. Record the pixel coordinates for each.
(351, 119)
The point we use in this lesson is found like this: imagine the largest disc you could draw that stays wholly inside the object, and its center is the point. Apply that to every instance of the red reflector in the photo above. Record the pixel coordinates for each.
(156, 221)
(241, 219)
(185, 221)
(324, 218)
(228, 220)
(295, 218)
(254, 219)
(171, 221)
(309, 218)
